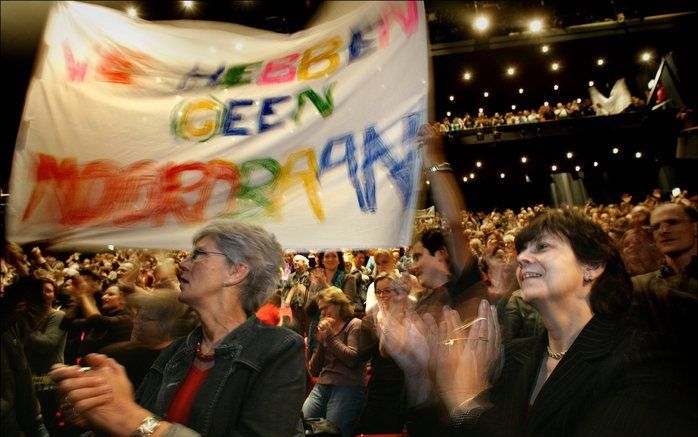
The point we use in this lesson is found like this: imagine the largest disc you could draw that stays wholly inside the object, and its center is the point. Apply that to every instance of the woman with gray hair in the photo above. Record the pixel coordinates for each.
(219, 380)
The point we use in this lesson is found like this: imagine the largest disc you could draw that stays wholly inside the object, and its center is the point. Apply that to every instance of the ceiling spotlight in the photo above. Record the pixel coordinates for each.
(570, 155)
(465, 179)
(132, 12)
(579, 100)
(472, 175)
(577, 168)
(544, 49)
(524, 160)
(535, 25)
(554, 167)
(188, 4)
(600, 61)
(451, 98)
(650, 84)
(502, 175)
(520, 90)
(513, 107)
(555, 66)
(481, 23)
(486, 94)
(638, 155)
(478, 165)
(467, 75)
(591, 83)
(427, 182)
(615, 150)
(511, 71)
(448, 113)
(480, 110)
(546, 103)
(555, 87)
(596, 164)
(646, 56)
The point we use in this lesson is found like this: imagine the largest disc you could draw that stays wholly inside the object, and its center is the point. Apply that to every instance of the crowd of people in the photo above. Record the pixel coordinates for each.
(546, 112)
(541, 322)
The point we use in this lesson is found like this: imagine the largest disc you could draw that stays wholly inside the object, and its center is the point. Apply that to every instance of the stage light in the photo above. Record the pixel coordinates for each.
(615, 150)
(535, 25)
(646, 56)
(577, 168)
(520, 90)
(188, 4)
(513, 107)
(427, 182)
(465, 179)
(486, 94)
(448, 113)
(555, 66)
(524, 160)
(638, 155)
(451, 98)
(544, 49)
(600, 61)
(676, 191)
(480, 110)
(132, 12)
(596, 164)
(591, 83)
(482, 23)
(579, 100)
(467, 75)
(570, 155)
(546, 103)
(556, 87)
(502, 175)
(650, 84)
(472, 175)
(511, 71)
(554, 167)
(478, 164)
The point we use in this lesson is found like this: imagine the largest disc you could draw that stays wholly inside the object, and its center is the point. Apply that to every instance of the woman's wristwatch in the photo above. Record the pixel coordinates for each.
(147, 427)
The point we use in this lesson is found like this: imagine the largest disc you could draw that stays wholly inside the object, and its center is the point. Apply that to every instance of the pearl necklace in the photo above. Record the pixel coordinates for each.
(555, 355)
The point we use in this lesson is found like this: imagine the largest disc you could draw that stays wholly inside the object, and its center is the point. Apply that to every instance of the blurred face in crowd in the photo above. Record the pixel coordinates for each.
(673, 231)
(125, 270)
(385, 263)
(328, 309)
(330, 261)
(49, 292)
(146, 327)
(429, 269)
(359, 259)
(299, 265)
(112, 300)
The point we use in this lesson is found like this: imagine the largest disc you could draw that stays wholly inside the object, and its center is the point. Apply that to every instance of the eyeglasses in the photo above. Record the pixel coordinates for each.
(382, 291)
(670, 223)
(196, 254)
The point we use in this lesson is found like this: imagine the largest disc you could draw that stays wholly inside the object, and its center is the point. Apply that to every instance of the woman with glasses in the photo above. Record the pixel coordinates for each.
(225, 376)
(383, 410)
(339, 391)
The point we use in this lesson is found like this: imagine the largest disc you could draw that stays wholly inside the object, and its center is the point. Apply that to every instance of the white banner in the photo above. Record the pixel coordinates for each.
(137, 133)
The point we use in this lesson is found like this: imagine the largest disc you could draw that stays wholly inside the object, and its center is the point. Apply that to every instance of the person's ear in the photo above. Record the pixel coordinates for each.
(593, 272)
(236, 274)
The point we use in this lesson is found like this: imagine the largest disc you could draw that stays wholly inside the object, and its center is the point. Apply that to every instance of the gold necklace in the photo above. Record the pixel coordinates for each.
(555, 355)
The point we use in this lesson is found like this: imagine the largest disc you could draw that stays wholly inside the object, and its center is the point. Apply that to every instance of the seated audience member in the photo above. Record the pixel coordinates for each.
(234, 375)
(155, 315)
(339, 390)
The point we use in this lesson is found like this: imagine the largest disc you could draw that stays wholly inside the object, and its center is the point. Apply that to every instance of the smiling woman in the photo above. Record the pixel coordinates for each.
(221, 378)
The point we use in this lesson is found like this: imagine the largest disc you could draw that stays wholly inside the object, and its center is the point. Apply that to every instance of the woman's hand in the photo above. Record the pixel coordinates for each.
(101, 396)
(466, 356)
